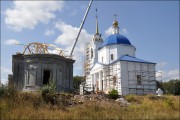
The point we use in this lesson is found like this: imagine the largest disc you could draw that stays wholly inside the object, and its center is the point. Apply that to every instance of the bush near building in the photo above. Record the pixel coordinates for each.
(113, 94)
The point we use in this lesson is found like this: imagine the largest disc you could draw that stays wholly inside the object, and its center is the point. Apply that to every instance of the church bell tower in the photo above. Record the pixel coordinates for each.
(96, 43)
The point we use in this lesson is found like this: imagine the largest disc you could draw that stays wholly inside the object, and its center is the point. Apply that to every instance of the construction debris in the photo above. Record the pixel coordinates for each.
(122, 101)
(100, 98)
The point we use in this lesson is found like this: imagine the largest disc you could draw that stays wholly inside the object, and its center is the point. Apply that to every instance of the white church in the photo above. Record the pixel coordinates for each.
(112, 64)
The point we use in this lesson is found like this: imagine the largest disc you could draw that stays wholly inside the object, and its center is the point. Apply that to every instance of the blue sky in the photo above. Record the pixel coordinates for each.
(151, 26)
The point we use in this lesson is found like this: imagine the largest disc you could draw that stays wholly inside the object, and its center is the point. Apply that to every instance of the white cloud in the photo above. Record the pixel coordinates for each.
(161, 64)
(69, 34)
(27, 14)
(108, 31)
(49, 32)
(54, 51)
(124, 31)
(4, 74)
(173, 74)
(11, 42)
(67, 38)
(167, 75)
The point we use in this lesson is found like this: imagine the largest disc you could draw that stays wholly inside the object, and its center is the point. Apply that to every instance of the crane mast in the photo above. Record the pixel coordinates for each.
(74, 44)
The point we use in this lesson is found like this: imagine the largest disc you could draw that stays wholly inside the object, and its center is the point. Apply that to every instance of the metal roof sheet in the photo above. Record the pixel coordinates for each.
(133, 59)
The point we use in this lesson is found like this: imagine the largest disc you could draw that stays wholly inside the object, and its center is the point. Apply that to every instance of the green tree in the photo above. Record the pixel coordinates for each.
(170, 87)
(77, 80)
(160, 85)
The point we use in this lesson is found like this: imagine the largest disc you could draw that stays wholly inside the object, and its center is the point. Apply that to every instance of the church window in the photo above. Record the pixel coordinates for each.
(112, 57)
(91, 53)
(139, 79)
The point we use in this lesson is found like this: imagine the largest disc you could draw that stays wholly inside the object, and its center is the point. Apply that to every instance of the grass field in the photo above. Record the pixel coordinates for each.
(32, 106)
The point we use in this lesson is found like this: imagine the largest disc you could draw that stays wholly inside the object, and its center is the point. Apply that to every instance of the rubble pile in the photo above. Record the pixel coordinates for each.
(70, 100)
(122, 101)
(100, 98)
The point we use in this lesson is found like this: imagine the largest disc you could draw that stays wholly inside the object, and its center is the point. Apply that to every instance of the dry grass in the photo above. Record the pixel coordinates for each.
(32, 106)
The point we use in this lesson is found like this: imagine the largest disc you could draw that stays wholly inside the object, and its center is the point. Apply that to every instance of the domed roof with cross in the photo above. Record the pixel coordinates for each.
(115, 37)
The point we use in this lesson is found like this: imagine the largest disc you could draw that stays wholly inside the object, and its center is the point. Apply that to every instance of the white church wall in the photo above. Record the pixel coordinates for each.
(106, 55)
(124, 78)
(129, 72)
(113, 52)
(106, 52)
(117, 51)
(153, 78)
(95, 47)
(125, 49)
(102, 55)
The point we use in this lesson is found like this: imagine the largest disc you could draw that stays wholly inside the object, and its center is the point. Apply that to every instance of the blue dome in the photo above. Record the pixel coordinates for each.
(116, 39)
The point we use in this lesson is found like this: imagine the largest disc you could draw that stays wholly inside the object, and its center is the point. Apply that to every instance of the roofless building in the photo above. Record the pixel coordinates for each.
(36, 67)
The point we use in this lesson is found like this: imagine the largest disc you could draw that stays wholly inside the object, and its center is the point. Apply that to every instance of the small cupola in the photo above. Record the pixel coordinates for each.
(115, 28)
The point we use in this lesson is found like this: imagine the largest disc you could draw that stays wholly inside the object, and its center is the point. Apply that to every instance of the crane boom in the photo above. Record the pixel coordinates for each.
(74, 44)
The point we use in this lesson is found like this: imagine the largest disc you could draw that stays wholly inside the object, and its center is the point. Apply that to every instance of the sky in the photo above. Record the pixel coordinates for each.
(151, 26)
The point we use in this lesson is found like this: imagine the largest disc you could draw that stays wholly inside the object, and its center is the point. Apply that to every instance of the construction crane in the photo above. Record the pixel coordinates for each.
(86, 13)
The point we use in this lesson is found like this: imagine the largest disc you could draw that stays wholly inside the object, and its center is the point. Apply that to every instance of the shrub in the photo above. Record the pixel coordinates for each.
(11, 92)
(2, 90)
(8, 91)
(113, 94)
(48, 90)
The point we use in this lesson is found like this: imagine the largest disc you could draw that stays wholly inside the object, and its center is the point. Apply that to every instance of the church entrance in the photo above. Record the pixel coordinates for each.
(46, 76)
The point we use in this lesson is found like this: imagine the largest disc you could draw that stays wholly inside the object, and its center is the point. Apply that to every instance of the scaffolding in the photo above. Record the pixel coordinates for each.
(110, 77)
(87, 63)
(148, 81)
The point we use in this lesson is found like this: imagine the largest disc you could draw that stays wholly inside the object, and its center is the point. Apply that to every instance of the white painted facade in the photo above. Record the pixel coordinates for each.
(115, 66)
(117, 50)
